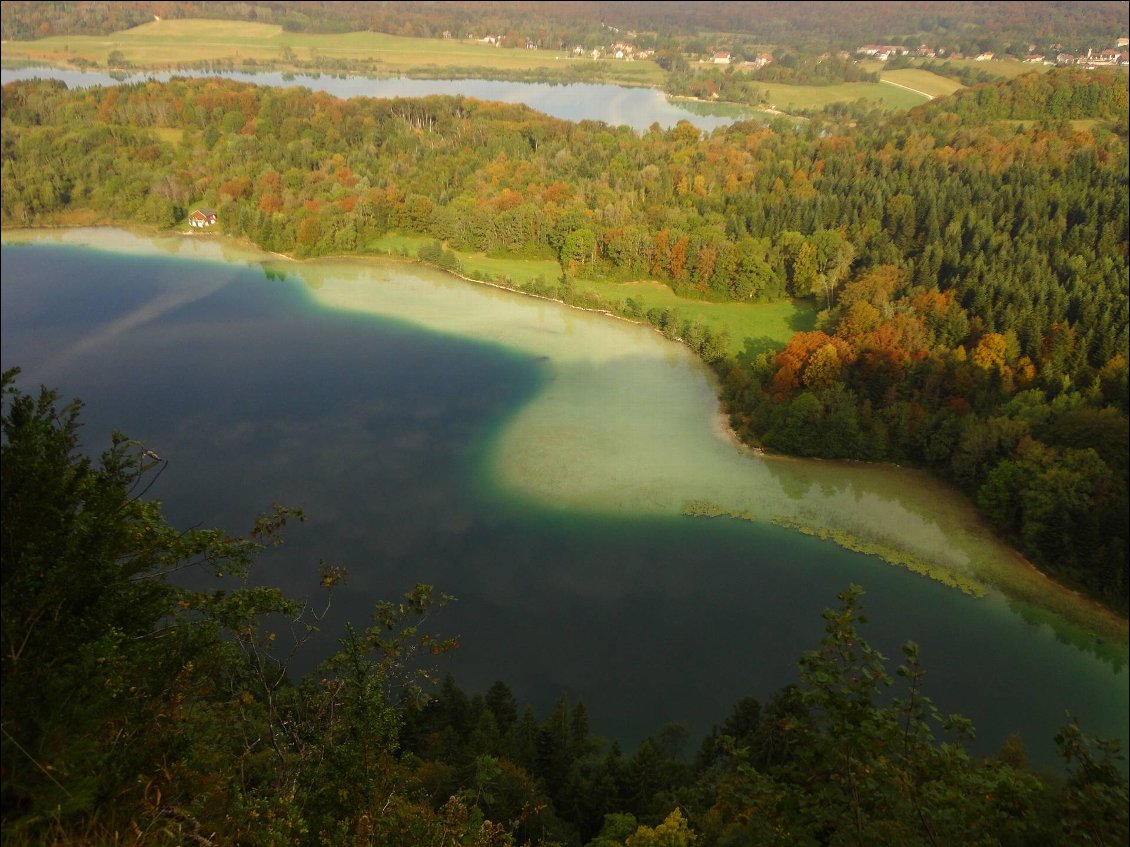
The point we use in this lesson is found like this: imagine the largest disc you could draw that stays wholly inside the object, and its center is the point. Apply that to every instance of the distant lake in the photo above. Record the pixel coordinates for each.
(616, 105)
(531, 460)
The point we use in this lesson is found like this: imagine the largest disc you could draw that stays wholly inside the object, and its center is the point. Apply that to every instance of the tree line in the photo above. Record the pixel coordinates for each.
(136, 708)
(813, 27)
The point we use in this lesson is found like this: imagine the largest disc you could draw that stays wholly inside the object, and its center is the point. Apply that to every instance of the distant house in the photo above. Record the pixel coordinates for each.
(763, 59)
(1034, 59)
(882, 52)
(983, 57)
(721, 58)
(1123, 42)
(202, 217)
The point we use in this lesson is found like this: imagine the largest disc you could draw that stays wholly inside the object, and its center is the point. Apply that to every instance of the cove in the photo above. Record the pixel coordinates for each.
(534, 461)
(615, 105)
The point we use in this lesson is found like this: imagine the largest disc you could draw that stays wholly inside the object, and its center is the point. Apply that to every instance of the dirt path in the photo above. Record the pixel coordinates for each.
(908, 88)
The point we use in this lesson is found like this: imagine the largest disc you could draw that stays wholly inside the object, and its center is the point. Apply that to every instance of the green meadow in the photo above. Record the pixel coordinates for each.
(752, 327)
(805, 97)
(930, 84)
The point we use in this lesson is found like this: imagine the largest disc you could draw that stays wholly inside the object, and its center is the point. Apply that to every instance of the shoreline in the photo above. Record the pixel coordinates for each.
(546, 74)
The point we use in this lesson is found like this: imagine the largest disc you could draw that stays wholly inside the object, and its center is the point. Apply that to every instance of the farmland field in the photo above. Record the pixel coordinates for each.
(167, 44)
(928, 83)
(789, 97)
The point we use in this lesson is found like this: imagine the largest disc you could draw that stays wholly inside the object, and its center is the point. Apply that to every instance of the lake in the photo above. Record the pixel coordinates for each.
(533, 461)
(616, 105)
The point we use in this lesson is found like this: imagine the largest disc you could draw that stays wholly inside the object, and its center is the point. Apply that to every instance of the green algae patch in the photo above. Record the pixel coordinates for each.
(710, 509)
(946, 576)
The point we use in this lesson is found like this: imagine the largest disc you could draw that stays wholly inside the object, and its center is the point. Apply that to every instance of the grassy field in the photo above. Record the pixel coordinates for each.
(753, 327)
(171, 43)
(791, 97)
(929, 84)
(1007, 68)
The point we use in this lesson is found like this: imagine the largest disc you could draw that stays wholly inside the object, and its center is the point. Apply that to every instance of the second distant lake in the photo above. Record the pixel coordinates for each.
(615, 105)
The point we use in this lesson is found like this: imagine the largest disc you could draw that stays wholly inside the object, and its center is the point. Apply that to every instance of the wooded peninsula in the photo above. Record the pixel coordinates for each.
(966, 264)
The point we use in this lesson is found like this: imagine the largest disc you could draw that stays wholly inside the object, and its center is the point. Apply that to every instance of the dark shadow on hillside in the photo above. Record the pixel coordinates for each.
(754, 347)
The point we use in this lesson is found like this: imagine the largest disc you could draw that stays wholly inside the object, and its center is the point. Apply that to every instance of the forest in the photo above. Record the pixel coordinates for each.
(969, 258)
(136, 710)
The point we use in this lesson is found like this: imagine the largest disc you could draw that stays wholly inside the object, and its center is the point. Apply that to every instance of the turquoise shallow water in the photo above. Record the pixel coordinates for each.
(530, 460)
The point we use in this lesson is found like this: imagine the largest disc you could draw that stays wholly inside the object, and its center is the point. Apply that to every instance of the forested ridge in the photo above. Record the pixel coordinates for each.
(136, 710)
(972, 272)
(963, 26)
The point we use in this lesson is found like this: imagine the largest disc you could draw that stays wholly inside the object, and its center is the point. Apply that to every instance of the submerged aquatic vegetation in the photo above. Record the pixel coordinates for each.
(947, 576)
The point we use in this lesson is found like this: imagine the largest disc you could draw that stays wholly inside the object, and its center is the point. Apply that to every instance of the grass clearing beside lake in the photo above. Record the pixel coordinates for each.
(520, 272)
(752, 327)
(398, 244)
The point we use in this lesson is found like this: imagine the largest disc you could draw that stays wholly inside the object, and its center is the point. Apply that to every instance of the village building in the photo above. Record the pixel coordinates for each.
(883, 52)
(202, 217)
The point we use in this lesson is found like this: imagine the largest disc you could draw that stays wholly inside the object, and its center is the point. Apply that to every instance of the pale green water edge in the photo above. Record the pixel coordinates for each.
(628, 423)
